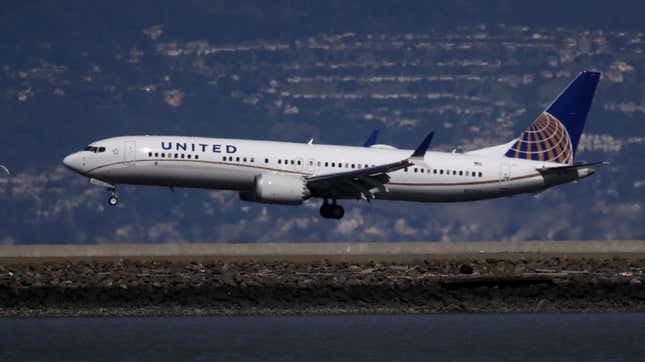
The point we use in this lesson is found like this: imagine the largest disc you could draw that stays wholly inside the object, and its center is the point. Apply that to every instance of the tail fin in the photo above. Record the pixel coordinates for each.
(554, 135)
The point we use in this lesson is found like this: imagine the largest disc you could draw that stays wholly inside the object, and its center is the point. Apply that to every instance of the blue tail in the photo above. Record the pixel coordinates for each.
(554, 135)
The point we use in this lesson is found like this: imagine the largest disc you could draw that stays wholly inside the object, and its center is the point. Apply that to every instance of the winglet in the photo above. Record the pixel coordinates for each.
(420, 152)
(5, 169)
(371, 140)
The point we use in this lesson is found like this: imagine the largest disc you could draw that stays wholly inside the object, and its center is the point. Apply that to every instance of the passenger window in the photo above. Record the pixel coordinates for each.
(101, 149)
(340, 165)
(279, 162)
(197, 157)
(480, 174)
(237, 159)
(244, 159)
(415, 170)
(266, 160)
(163, 155)
(292, 162)
(149, 154)
(441, 172)
(156, 154)
(467, 173)
(333, 164)
(474, 174)
(423, 170)
(183, 156)
(252, 160)
(461, 173)
(189, 157)
(318, 163)
(326, 164)
(299, 162)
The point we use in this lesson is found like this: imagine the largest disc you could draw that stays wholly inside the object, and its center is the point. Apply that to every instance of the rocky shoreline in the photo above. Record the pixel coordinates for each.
(194, 286)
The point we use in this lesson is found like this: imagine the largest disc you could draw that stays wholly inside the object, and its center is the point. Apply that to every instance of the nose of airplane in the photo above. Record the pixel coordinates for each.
(71, 162)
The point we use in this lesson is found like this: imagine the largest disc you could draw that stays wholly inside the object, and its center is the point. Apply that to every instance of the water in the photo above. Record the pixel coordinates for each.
(469, 337)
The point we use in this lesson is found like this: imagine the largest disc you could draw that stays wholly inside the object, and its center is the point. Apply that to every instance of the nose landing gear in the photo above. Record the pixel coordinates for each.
(113, 200)
(331, 211)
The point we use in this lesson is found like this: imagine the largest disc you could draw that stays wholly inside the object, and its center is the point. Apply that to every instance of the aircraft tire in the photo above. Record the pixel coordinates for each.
(325, 211)
(113, 200)
(337, 212)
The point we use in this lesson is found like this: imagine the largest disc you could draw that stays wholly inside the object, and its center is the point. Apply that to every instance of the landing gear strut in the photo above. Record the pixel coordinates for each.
(113, 200)
(331, 211)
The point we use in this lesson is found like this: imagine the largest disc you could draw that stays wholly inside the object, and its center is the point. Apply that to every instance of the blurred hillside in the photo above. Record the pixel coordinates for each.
(476, 74)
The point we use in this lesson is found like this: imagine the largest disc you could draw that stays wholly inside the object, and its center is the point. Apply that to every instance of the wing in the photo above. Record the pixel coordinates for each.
(365, 181)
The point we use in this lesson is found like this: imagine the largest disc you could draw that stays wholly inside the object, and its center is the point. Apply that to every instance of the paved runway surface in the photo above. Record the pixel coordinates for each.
(333, 251)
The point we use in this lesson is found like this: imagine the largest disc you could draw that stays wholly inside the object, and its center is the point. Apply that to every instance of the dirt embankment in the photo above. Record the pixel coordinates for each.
(216, 287)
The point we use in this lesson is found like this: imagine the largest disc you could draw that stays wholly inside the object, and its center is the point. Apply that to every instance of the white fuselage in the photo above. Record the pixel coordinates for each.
(234, 164)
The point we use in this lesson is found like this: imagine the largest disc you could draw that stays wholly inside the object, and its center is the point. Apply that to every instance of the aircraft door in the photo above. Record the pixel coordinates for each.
(505, 172)
(130, 152)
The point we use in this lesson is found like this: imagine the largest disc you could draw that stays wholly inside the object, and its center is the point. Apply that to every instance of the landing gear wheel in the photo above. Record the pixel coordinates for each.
(325, 211)
(331, 211)
(113, 200)
(337, 212)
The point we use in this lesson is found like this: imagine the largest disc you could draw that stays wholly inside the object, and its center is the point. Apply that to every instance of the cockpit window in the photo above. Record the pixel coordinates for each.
(94, 149)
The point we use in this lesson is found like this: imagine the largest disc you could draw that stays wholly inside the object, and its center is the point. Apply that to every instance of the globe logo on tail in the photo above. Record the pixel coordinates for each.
(546, 140)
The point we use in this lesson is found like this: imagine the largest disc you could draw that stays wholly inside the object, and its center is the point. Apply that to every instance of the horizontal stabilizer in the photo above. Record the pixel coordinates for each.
(579, 166)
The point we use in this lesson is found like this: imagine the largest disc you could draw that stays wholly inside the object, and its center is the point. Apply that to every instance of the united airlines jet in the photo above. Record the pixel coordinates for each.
(290, 173)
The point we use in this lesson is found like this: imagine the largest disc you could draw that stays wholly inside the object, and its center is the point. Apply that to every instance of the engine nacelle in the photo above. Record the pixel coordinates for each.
(277, 189)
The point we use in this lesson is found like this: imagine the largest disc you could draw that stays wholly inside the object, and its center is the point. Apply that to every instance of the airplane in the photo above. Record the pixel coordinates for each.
(290, 173)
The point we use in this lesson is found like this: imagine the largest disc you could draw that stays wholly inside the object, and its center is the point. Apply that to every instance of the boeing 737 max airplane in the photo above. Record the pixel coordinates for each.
(290, 173)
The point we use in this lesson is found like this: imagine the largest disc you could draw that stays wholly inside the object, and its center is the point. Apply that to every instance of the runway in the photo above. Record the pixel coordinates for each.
(400, 251)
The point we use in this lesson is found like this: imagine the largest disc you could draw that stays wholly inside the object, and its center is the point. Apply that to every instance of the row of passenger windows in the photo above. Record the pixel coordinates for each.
(446, 172)
(173, 155)
(296, 162)
(319, 163)
(238, 159)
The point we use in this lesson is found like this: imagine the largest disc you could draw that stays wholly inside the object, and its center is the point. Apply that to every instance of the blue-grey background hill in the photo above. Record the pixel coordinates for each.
(476, 73)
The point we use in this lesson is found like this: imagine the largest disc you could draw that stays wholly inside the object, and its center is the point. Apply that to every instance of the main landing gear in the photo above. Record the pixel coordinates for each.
(331, 211)
(113, 200)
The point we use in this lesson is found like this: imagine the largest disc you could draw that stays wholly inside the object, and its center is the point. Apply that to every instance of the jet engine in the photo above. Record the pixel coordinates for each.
(277, 189)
